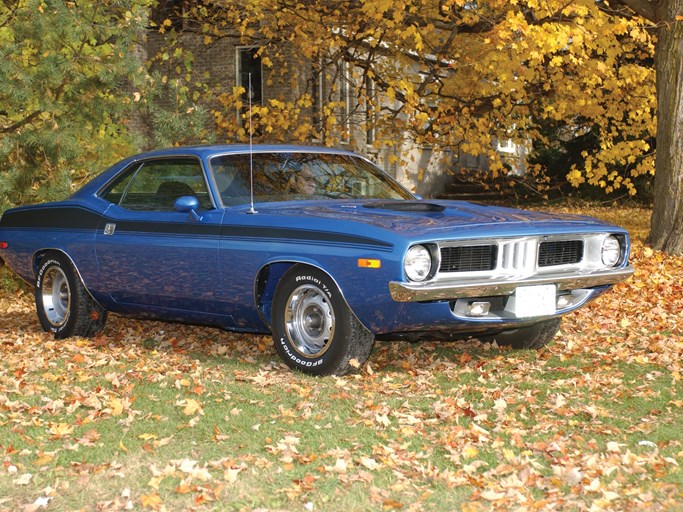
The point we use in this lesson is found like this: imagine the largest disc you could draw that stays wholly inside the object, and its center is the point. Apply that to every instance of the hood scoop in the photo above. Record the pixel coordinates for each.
(406, 206)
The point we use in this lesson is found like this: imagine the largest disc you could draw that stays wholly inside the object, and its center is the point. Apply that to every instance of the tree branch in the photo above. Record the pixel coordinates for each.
(12, 7)
(645, 8)
(14, 127)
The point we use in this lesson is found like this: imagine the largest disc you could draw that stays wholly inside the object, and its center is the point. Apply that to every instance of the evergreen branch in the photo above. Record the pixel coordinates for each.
(20, 124)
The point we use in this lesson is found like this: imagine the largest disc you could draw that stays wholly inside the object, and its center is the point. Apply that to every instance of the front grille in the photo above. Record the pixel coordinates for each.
(562, 252)
(468, 258)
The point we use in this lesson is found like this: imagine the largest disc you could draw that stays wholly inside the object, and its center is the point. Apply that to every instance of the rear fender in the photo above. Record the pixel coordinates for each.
(40, 255)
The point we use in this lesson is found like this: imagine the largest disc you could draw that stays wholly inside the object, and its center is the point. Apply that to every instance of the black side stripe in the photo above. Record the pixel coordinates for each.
(47, 217)
(79, 218)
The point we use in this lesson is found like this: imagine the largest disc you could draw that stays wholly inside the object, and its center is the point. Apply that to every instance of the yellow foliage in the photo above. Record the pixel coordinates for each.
(449, 73)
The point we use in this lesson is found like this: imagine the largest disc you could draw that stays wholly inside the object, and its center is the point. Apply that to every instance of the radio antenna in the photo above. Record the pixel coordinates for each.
(251, 157)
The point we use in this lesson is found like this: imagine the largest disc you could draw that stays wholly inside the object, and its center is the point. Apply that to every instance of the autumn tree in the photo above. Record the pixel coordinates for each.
(667, 216)
(456, 74)
(66, 71)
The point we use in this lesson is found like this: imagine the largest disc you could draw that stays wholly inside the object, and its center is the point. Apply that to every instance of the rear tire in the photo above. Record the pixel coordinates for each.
(532, 337)
(314, 330)
(64, 306)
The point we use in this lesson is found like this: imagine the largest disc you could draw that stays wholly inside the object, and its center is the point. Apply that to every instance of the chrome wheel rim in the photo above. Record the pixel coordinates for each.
(309, 321)
(56, 295)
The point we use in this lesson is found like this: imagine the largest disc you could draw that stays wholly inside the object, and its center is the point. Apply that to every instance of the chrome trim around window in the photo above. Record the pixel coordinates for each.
(482, 287)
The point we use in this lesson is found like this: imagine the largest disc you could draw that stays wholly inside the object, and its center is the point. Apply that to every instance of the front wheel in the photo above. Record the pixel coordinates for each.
(314, 330)
(64, 306)
(534, 336)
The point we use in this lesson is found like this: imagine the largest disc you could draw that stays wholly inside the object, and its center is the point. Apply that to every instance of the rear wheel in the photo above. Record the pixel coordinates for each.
(64, 306)
(313, 328)
(534, 336)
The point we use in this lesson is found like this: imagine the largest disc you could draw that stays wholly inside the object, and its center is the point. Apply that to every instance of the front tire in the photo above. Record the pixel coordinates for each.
(532, 337)
(64, 306)
(314, 330)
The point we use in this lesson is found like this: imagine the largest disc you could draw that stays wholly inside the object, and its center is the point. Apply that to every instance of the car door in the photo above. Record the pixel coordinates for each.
(155, 258)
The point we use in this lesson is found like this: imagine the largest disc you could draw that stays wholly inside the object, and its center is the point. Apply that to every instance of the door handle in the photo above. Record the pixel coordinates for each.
(109, 228)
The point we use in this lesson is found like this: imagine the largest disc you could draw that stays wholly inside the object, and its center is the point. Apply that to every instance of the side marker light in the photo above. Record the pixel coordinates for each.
(368, 263)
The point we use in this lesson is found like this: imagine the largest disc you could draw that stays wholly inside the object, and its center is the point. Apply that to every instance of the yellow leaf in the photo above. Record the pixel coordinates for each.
(470, 451)
(152, 501)
(155, 482)
(191, 407)
(44, 459)
(116, 406)
(61, 429)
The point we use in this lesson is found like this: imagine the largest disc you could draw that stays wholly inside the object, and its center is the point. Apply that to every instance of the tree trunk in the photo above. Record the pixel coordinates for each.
(666, 232)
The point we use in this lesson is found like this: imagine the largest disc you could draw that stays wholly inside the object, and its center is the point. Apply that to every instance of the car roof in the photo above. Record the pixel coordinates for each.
(202, 151)
(209, 150)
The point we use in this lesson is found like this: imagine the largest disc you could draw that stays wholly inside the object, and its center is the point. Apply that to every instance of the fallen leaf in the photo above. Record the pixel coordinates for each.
(24, 479)
(152, 501)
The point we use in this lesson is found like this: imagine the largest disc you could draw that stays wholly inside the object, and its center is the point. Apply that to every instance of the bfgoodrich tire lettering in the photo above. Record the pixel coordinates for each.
(313, 328)
(64, 306)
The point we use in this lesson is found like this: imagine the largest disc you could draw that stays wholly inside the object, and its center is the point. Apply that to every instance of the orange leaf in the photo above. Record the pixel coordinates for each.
(392, 505)
(152, 501)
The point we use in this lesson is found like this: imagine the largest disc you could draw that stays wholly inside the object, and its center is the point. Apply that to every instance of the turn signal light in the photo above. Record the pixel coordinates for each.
(368, 263)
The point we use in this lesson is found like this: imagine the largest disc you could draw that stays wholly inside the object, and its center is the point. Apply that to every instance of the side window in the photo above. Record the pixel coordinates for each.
(156, 184)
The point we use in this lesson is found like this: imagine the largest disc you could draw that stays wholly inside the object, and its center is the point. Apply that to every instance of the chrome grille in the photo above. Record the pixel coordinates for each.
(473, 258)
(519, 255)
(560, 252)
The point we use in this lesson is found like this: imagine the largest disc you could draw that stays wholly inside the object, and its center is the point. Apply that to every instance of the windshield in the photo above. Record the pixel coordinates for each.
(298, 176)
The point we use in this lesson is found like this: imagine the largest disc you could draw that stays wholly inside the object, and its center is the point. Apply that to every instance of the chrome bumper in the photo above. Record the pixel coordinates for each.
(420, 292)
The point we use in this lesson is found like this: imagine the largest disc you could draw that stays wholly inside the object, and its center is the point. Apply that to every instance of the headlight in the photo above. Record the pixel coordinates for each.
(611, 251)
(418, 263)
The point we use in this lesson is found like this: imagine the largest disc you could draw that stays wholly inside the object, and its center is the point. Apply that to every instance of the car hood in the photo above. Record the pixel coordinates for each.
(436, 218)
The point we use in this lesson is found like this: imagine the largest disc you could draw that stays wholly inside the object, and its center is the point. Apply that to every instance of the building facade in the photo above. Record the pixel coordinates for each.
(334, 103)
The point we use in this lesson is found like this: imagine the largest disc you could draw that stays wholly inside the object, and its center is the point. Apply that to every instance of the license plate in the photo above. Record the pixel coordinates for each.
(535, 300)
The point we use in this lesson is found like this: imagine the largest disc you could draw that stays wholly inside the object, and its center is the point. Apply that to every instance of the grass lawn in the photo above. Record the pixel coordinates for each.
(159, 416)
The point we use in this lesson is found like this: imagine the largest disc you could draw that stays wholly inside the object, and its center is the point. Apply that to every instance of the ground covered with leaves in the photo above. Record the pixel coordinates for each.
(159, 416)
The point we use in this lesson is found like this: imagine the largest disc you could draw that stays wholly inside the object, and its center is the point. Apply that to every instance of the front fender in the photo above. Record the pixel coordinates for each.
(365, 290)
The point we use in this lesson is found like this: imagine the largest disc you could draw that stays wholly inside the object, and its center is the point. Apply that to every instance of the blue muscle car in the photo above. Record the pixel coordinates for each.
(316, 246)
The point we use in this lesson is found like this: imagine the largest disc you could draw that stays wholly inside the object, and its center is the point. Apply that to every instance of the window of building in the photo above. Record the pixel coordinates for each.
(344, 99)
(506, 146)
(370, 116)
(332, 85)
(249, 63)
(317, 97)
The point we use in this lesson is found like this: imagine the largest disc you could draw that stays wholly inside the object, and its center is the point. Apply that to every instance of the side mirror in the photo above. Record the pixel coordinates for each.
(188, 204)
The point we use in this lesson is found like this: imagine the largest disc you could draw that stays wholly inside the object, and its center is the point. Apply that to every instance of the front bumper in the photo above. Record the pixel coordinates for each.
(453, 289)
